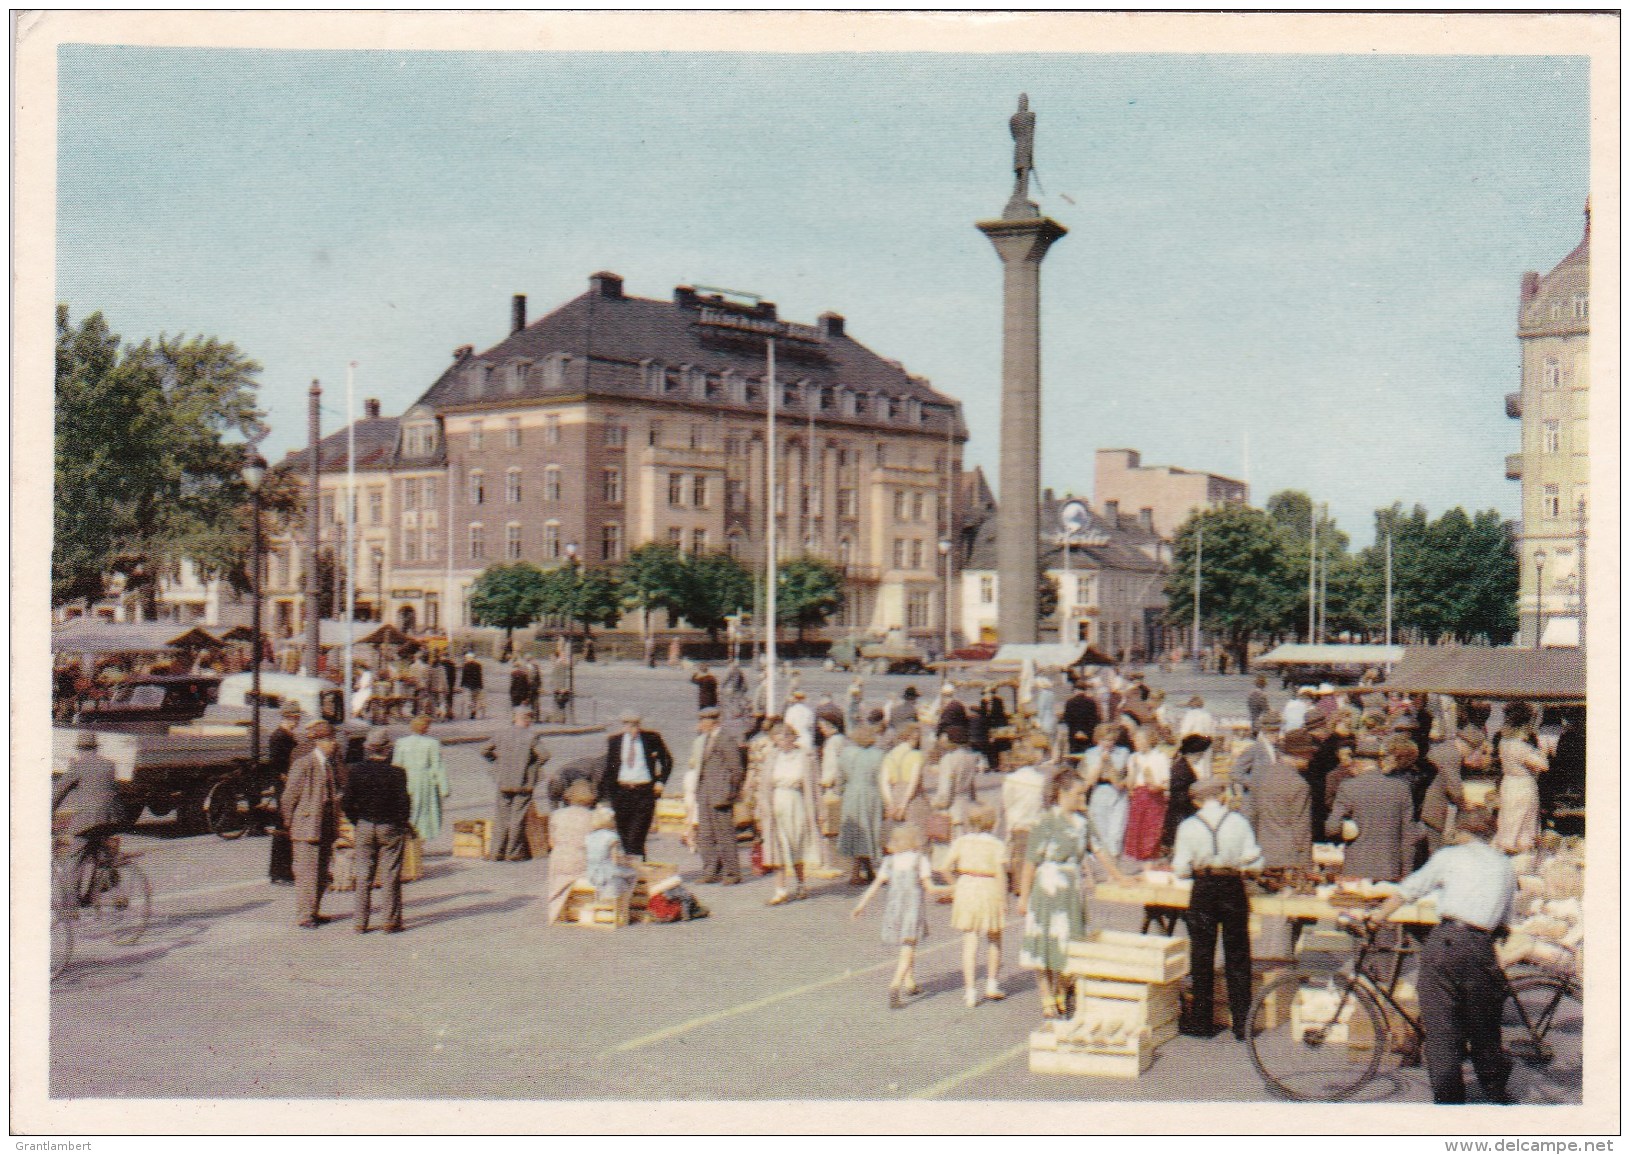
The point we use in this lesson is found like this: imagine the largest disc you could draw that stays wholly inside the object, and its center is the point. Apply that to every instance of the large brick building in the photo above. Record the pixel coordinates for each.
(618, 420)
(1162, 496)
(1553, 330)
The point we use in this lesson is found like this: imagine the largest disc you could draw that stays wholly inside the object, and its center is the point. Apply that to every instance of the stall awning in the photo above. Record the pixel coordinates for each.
(85, 636)
(332, 633)
(1481, 672)
(1561, 632)
(1303, 654)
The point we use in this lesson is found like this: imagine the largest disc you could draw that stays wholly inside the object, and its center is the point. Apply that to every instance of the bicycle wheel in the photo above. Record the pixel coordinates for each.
(228, 808)
(62, 932)
(1317, 1037)
(115, 900)
(1540, 1012)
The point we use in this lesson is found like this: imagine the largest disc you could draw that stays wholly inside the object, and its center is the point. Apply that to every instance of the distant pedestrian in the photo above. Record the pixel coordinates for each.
(438, 681)
(707, 688)
(472, 682)
(789, 800)
(1382, 847)
(909, 877)
(534, 681)
(91, 788)
(860, 817)
(420, 757)
(720, 771)
(311, 809)
(978, 862)
(1081, 719)
(376, 801)
(1256, 702)
(517, 765)
(801, 717)
(560, 686)
(1520, 763)
(637, 767)
(280, 751)
(520, 687)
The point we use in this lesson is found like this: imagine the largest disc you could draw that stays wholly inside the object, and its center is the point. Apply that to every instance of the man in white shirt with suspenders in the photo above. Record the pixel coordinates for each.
(1217, 847)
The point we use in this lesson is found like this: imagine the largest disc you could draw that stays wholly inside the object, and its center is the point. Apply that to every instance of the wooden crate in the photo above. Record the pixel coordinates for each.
(1313, 1008)
(1151, 1005)
(582, 909)
(472, 838)
(1050, 1055)
(1141, 958)
(670, 817)
(1261, 976)
(650, 873)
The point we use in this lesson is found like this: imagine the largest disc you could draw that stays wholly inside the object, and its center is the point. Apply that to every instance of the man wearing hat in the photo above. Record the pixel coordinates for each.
(1461, 988)
(1294, 715)
(1259, 753)
(1467, 750)
(1199, 720)
(1216, 847)
(311, 804)
(637, 765)
(376, 801)
(1279, 803)
(91, 789)
(720, 769)
(1081, 718)
(1381, 807)
(472, 681)
(517, 765)
(280, 751)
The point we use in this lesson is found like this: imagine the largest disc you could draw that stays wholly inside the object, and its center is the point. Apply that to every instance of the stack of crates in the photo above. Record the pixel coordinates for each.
(1128, 1001)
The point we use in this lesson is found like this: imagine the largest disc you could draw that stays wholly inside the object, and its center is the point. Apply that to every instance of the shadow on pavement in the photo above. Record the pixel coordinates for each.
(414, 918)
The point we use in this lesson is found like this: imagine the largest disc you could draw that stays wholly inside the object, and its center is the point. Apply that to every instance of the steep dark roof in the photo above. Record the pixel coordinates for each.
(376, 447)
(622, 332)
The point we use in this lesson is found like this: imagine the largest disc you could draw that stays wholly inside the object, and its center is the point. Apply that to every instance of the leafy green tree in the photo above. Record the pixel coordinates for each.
(717, 586)
(586, 597)
(1453, 578)
(810, 592)
(511, 597)
(1246, 584)
(143, 475)
(654, 576)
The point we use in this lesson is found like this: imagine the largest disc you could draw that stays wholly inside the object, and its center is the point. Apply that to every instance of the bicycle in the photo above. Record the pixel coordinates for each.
(108, 896)
(238, 802)
(1324, 1035)
(62, 934)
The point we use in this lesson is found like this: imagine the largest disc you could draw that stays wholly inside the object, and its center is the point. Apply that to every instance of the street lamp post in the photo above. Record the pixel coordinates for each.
(571, 643)
(1539, 597)
(945, 553)
(1199, 554)
(254, 472)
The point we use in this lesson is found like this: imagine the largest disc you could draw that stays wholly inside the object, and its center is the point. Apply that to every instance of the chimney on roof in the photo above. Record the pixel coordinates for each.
(517, 313)
(370, 408)
(1112, 513)
(462, 352)
(765, 309)
(608, 285)
(685, 297)
(1530, 286)
(1146, 518)
(830, 325)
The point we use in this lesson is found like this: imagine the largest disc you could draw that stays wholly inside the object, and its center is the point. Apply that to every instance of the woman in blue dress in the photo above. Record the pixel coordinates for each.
(1051, 892)
(860, 821)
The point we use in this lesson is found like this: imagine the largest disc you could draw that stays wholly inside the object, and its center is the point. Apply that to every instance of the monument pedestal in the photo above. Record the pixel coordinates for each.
(1021, 238)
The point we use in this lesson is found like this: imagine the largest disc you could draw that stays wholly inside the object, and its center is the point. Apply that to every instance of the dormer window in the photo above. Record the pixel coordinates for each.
(734, 386)
(518, 375)
(753, 391)
(826, 399)
(862, 405)
(846, 402)
(655, 374)
(695, 381)
(554, 370)
(1581, 307)
(914, 411)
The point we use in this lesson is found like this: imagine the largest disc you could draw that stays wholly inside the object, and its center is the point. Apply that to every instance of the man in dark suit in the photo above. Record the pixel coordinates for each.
(707, 688)
(720, 769)
(91, 789)
(637, 766)
(517, 766)
(377, 803)
(473, 682)
(280, 751)
(1384, 812)
(1080, 718)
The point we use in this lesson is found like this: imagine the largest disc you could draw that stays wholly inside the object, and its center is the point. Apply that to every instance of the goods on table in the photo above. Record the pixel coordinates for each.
(342, 862)
(1139, 958)
(472, 838)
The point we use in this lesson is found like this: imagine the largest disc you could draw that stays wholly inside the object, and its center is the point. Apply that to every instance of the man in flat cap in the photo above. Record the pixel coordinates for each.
(720, 769)
(91, 789)
(281, 748)
(517, 766)
(1216, 847)
(376, 801)
(311, 808)
(637, 766)
(1381, 807)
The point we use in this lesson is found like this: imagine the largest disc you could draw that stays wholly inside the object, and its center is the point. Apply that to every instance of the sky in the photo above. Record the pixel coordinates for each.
(1299, 270)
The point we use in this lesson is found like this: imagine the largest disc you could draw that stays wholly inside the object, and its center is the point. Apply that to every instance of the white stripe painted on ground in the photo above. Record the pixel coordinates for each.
(973, 1072)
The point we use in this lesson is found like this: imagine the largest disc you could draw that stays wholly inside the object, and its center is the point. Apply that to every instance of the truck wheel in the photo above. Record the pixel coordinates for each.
(227, 808)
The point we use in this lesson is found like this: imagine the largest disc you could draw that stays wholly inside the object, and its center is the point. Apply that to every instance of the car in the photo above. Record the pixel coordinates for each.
(150, 704)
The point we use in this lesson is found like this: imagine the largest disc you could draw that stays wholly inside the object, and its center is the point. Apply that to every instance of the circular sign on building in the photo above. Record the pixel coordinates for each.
(1074, 517)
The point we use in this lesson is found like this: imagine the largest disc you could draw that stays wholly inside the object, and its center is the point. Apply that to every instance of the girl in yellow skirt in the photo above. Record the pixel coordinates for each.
(979, 862)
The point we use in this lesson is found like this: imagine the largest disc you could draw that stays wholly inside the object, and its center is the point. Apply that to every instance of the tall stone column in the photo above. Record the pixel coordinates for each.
(1021, 237)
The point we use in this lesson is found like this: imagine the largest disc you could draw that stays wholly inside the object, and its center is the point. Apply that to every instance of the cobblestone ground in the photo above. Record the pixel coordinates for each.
(225, 998)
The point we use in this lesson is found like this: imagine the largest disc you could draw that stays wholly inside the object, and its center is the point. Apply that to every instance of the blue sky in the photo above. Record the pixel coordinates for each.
(1319, 253)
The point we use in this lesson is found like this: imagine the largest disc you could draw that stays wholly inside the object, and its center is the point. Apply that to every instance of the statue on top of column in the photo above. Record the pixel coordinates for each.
(1022, 125)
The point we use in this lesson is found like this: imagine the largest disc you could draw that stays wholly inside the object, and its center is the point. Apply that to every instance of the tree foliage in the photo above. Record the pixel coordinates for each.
(809, 592)
(586, 597)
(143, 476)
(511, 597)
(1246, 581)
(654, 576)
(1454, 578)
(717, 586)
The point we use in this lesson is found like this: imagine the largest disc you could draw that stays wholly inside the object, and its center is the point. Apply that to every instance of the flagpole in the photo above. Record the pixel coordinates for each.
(350, 514)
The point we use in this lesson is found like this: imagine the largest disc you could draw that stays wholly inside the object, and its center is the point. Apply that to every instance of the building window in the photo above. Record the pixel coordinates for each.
(917, 500)
(654, 436)
(732, 544)
(612, 486)
(676, 537)
(551, 540)
(478, 488)
(698, 541)
(899, 553)
(1551, 376)
(732, 447)
(699, 491)
(432, 547)
(431, 491)
(477, 436)
(1553, 437)
(554, 370)
(410, 494)
(846, 551)
(611, 542)
(882, 455)
(478, 541)
(655, 376)
(512, 541)
(518, 374)
(676, 489)
(698, 436)
(916, 553)
(512, 486)
(848, 503)
(410, 545)
(987, 589)
(551, 483)
(551, 429)
(917, 610)
(734, 496)
(616, 436)
(432, 612)
(376, 505)
(1581, 307)
(899, 505)
(862, 405)
(512, 433)
(1551, 501)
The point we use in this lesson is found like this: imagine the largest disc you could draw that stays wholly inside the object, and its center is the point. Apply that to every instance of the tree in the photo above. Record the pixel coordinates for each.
(717, 586)
(509, 596)
(1245, 583)
(810, 591)
(651, 577)
(586, 597)
(1455, 577)
(143, 476)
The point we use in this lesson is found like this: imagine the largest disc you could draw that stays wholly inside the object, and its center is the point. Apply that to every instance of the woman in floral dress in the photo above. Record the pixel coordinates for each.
(1050, 891)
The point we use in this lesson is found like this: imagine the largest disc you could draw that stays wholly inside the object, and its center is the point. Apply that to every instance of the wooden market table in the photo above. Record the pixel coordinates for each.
(1164, 905)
